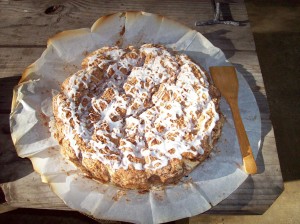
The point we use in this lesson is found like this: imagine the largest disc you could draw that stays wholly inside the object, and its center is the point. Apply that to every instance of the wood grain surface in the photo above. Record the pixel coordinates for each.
(24, 29)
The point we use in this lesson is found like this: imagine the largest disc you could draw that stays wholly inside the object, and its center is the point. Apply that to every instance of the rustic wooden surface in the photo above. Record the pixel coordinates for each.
(24, 29)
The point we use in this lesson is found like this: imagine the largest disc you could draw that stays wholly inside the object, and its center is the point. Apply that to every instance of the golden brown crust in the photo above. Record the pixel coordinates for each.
(96, 169)
(131, 179)
(168, 174)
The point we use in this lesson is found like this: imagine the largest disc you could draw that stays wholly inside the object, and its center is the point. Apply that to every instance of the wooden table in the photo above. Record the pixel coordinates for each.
(24, 30)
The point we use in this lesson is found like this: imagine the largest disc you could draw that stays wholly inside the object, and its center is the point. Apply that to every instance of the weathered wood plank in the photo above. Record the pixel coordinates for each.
(13, 61)
(20, 193)
(23, 20)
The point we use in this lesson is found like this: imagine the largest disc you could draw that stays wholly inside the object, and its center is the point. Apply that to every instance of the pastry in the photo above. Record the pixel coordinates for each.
(137, 117)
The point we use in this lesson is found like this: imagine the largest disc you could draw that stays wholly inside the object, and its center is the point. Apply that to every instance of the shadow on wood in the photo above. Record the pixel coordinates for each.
(6, 86)
(12, 167)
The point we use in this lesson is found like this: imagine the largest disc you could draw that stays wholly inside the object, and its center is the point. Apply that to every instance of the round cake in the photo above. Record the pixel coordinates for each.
(137, 117)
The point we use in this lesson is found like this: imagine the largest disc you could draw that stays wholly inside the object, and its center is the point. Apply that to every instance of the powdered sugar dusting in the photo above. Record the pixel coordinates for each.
(137, 107)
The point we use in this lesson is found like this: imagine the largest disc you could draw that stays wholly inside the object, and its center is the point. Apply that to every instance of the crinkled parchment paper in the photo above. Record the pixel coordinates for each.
(206, 186)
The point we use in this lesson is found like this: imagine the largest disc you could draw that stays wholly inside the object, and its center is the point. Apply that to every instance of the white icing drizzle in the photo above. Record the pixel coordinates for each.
(149, 107)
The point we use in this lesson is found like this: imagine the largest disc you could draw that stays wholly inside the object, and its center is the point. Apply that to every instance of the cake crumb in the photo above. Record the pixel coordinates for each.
(119, 194)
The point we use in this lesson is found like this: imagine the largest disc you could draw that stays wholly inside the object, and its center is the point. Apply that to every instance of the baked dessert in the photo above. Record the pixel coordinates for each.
(137, 117)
